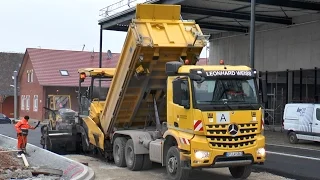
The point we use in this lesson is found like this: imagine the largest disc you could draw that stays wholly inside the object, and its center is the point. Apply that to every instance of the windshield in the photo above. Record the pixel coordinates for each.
(100, 93)
(62, 102)
(221, 91)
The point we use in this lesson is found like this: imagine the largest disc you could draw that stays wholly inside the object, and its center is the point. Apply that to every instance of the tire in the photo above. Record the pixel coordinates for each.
(147, 164)
(242, 172)
(85, 147)
(118, 151)
(173, 165)
(292, 137)
(134, 162)
(47, 144)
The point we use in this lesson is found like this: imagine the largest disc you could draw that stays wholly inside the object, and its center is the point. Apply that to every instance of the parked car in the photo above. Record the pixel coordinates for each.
(302, 121)
(4, 119)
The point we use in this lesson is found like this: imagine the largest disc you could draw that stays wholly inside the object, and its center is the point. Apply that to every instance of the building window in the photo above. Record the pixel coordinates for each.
(27, 102)
(28, 74)
(35, 103)
(31, 76)
(64, 73)
(22, 101)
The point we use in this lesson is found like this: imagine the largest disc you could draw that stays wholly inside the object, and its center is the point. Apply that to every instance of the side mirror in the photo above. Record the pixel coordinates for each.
(263, 90)
(178, 94)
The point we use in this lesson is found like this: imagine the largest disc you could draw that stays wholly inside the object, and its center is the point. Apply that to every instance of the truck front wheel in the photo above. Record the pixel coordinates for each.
(242, 172)
(173, 165)
(118, 151)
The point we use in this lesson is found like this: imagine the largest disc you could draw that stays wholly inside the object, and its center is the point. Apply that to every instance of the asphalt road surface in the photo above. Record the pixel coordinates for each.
(299, 161)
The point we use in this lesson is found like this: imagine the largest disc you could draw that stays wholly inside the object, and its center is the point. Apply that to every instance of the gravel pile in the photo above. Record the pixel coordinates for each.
(15, 172)
(9, 159)
(12, 167)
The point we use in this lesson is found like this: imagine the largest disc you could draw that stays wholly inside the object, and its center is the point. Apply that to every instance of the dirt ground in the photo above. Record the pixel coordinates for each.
(107, 171)
(8, 159)
(12, 167)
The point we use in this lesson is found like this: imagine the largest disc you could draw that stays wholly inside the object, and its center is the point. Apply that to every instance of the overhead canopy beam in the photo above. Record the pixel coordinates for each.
(288, 3)
(234, 15)
(118, 28)
(223, 27)
(110, 23)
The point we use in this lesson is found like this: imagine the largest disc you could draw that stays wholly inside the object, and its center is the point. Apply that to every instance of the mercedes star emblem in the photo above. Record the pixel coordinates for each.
(233, 129)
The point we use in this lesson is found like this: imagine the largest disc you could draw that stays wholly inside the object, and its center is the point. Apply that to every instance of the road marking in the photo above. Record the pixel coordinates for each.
(279, 145)
(293, 155)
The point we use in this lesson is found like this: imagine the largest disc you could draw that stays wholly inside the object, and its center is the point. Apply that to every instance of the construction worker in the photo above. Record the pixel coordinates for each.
(22, 128)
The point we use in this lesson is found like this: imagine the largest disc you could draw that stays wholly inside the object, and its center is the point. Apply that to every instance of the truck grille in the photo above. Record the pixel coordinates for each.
(219, 137)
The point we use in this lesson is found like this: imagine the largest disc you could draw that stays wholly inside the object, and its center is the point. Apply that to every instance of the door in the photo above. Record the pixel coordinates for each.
(182, 113)
(316, 120)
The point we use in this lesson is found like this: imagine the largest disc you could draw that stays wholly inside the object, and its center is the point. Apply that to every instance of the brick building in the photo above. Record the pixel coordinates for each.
(44, 71)
(9, 62)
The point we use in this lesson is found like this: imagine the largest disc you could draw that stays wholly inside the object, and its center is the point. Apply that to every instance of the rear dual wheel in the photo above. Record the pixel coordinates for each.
(123, 154)
(118, 151)
(134, 161)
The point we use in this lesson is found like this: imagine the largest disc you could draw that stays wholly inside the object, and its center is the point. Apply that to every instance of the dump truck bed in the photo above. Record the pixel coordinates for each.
(153, 38)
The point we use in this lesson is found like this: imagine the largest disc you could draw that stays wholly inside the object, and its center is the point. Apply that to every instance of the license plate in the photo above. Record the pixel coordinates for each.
(234, 154)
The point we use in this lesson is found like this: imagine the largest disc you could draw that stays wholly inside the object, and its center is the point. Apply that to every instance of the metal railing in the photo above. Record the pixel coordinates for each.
(119, 6)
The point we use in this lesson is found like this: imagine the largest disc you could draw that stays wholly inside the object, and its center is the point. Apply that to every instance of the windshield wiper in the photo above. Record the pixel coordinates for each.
(224, 103)
(246, 103)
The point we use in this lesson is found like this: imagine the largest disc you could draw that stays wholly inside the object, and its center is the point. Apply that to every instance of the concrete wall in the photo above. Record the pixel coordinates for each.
(276, 50)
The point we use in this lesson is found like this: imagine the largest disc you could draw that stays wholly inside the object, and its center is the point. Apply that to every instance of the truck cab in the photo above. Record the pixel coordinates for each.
(302, 121)
(216, 113)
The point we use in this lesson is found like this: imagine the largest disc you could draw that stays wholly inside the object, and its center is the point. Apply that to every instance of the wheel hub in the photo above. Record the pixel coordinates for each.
(172, 164)
(291, 138)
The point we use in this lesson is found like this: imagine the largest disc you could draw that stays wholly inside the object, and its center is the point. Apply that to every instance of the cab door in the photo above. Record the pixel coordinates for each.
(182, 112)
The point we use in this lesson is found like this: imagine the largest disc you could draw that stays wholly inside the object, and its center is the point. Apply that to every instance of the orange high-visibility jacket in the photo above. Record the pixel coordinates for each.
(23, 124)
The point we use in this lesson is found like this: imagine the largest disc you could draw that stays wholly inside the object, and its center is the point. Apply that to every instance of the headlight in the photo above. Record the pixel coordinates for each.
(261, 152)
(201, 154)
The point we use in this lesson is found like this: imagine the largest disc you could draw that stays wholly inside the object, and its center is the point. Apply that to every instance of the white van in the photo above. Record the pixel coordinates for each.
(302, 121)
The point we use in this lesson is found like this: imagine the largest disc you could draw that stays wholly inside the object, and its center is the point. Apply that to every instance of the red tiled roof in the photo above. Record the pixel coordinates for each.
(47, 64)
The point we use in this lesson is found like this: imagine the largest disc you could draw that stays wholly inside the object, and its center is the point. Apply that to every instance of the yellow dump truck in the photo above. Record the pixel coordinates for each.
(161, 107)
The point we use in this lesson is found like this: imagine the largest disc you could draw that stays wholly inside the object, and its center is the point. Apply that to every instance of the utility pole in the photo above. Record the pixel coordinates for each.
(100, 47)
(15, 75)
(100, 57)
(252, 32)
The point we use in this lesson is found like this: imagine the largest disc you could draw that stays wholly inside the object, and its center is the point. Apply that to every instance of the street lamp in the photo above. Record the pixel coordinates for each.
(14, 77)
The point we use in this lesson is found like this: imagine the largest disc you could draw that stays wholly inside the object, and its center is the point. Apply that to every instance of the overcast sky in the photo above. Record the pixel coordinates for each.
(58, 24)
